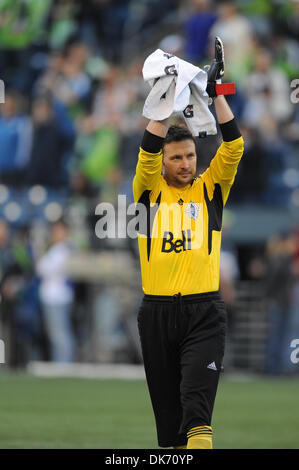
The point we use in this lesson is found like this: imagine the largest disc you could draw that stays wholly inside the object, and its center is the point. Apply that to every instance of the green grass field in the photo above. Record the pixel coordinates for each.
(116, 414)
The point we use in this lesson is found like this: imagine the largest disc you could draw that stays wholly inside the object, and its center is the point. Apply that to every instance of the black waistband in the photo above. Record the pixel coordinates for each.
(204, 297)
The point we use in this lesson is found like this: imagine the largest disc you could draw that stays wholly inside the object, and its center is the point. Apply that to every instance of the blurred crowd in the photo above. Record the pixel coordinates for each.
(71, 125)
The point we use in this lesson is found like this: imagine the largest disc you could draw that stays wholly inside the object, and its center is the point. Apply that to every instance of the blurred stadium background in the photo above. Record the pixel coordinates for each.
(70, 128)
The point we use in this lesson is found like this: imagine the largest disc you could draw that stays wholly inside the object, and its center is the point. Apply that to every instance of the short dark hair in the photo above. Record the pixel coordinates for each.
(177, 134)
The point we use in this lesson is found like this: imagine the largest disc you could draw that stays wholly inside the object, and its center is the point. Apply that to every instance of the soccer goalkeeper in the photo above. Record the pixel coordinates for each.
(182, 318)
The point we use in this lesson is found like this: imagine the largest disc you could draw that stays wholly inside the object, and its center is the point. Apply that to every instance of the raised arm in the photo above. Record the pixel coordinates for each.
(223, 112)
(228, 126)
(158, 128)
(223, 167)
(149, 166)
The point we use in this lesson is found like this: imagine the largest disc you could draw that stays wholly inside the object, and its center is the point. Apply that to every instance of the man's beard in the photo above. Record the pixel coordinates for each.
(182, 181)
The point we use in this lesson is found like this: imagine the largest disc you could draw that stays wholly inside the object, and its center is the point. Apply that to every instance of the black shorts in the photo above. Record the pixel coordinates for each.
(182, 340)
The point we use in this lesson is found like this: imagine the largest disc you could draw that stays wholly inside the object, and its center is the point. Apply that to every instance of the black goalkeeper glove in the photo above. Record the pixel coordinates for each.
(216, 70)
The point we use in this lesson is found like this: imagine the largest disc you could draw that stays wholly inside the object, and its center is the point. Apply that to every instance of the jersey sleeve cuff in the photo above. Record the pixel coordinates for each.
(230, 130)
(151, 143)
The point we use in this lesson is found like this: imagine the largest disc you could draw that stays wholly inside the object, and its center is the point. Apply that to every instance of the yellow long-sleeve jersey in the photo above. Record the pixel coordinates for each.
(180, 237)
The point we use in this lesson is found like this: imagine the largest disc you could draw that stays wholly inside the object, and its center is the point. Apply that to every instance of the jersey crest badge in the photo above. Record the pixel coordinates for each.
(192, 210)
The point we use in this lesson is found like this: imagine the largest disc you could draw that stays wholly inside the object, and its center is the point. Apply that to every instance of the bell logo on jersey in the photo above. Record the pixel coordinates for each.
(179, 245)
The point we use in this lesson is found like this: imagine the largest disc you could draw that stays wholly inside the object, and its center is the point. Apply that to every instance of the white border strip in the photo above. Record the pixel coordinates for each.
(87, 371)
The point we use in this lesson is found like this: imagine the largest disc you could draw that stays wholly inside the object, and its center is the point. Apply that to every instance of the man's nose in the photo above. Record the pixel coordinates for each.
(185, 163)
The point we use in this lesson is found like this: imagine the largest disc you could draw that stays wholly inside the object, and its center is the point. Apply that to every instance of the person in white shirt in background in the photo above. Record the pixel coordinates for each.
(267, 90)
(57, 294)
(237, 35)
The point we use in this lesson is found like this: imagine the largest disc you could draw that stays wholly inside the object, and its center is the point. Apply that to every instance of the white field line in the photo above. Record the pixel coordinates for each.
(88, 371)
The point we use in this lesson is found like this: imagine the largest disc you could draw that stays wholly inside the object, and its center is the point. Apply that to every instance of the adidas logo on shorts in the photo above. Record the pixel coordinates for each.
(212, 366)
